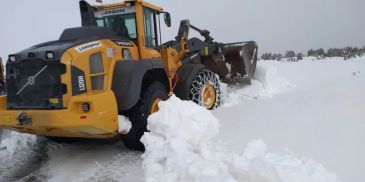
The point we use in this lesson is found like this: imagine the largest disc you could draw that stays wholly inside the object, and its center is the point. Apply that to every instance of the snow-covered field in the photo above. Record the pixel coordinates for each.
(297, 122)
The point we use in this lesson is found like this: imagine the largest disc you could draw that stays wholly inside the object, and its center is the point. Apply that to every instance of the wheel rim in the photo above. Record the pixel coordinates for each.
(154, 107)
(209, 96)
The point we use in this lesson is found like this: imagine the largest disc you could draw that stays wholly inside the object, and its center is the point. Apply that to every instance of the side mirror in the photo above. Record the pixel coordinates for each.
(167, 18)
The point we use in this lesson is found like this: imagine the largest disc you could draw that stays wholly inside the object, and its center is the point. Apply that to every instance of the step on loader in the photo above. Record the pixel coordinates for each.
(116, 64)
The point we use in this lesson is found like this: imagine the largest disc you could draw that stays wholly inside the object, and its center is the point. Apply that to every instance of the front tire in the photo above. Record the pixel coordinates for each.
(138, 115)
(205, 90)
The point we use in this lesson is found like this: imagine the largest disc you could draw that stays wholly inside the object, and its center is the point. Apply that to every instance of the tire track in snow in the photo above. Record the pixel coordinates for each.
(24, 161)
(91, 160)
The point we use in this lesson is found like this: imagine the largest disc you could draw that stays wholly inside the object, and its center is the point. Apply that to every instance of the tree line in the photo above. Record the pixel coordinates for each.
(346, 53)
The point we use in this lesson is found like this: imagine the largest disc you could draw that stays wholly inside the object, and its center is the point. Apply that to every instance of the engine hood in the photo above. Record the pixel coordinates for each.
(70, 38)
(39, 51)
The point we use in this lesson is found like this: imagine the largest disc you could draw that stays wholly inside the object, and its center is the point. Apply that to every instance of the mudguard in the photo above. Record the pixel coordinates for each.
(186, 75)
(128, 79)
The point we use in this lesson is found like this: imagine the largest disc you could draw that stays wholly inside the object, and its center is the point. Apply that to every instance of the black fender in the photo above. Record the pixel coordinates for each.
(186, 76)
(129, 77)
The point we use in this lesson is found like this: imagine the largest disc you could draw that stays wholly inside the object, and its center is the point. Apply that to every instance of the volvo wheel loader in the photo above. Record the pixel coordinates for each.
(115, 64)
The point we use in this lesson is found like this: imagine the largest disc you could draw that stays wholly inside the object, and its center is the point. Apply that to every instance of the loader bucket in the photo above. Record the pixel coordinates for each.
(241, 59)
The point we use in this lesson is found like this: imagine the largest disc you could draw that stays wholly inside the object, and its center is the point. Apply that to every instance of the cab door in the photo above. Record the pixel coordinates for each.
(148, 41)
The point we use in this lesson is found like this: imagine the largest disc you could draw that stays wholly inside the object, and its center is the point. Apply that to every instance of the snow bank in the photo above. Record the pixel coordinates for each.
(266, 83)
(181, 146)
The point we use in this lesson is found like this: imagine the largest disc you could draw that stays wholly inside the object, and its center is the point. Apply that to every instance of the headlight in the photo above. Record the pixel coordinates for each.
(49, 55)
(12, 58)
(127, 54)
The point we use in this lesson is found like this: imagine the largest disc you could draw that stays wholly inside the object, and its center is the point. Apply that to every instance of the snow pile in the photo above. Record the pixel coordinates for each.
(177, 147)
(266, 83)
(17, 142)
(180, 147)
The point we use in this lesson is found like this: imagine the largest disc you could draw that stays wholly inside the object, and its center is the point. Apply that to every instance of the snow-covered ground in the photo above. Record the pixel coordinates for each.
(321, 118)
(297, 122)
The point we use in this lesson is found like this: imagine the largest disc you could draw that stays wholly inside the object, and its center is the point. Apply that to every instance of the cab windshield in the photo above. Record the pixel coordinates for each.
(122, 21)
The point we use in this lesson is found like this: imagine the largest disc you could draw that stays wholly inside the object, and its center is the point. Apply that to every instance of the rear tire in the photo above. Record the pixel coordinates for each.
(139, 113)
(202, 81)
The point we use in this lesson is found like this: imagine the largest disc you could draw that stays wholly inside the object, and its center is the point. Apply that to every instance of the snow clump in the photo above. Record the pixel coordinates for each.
(124, 125)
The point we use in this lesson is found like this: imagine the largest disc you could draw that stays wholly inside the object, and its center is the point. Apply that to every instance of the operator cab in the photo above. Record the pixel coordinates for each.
(135, 20)
(122, 21)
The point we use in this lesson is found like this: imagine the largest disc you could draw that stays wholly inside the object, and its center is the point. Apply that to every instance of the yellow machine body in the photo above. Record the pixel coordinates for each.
(102, 119)
(115, 86)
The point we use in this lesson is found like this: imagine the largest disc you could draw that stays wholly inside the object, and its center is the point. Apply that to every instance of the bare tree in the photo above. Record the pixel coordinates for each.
(278, 57)
(334, 52)
(266, 56)
(300, 56)
(346, 53)
(320, 53)
(362, 51)
(290, 55)
(311, 53)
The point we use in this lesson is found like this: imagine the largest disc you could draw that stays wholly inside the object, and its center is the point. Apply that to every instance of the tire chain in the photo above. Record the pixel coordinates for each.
(203, 77)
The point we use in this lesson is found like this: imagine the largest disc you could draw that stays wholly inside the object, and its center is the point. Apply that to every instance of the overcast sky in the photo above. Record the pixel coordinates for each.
(277, 25)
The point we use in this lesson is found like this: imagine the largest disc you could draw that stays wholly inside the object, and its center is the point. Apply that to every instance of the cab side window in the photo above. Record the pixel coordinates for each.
(150, 28)
(96, 71)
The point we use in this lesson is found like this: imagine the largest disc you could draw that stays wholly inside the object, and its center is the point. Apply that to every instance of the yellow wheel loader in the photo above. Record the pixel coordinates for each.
(115, 64)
